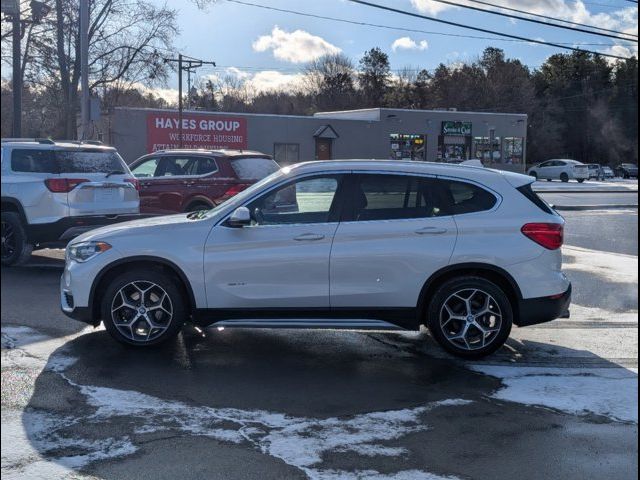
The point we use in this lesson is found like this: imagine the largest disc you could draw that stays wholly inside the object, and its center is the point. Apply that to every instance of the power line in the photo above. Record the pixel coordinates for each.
(403, 29)
(484, 30)
(533, 20)
(550, 18)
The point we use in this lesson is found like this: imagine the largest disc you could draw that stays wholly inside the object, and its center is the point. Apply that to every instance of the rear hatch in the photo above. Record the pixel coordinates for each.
(97, 182)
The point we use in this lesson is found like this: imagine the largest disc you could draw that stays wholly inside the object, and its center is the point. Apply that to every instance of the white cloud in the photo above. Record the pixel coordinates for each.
(407, 43)
(430, 7)
(295, 47)
(272, 81)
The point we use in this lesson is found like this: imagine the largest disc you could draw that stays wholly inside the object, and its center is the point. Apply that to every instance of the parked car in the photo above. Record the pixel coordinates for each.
(560, 169)
(466, 251)
(595, 171)
(54, 191)
(607, 172)
(627, 170)
(174, 181)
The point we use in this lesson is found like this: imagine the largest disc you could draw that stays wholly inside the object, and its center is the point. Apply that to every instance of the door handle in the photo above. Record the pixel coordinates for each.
(431, 231)
(308, 237)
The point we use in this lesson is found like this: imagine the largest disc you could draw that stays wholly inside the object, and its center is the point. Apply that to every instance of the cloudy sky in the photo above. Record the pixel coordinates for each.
(269, 48)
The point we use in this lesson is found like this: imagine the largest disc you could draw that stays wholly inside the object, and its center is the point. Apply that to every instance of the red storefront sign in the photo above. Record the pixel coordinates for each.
(198, 131)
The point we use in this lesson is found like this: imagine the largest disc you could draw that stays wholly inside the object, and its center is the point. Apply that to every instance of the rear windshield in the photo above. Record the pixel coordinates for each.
(254, 168)
(66, 161)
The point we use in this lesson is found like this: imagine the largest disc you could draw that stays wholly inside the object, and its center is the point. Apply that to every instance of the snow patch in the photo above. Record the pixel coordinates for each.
(610, 392)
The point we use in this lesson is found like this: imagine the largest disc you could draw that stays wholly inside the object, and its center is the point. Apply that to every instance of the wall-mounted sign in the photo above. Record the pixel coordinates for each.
(198, 131)
(456, 128)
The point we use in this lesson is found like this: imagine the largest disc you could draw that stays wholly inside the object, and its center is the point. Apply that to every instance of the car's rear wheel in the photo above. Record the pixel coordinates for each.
(564, 177)
(143, 307)
(581, 180)
(534, 175)
(470, 317)
(16, 250)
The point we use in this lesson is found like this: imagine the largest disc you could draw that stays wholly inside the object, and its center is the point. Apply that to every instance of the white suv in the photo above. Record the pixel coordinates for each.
(465, 251)
(54, 191)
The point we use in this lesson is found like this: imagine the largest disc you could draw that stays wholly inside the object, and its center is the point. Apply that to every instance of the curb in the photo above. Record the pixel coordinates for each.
(596, 207)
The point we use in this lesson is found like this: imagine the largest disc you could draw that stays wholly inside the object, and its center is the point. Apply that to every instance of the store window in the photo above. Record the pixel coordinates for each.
(286, 153)
(407, 147)
(454, 143)
(487, 150)
(513, 150)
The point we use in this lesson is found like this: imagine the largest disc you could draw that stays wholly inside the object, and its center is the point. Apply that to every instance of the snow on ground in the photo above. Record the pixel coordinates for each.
(615, 267)
(610, 392)
(29, 435)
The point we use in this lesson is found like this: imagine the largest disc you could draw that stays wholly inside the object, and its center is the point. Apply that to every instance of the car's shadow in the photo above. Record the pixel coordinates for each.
(302, 374)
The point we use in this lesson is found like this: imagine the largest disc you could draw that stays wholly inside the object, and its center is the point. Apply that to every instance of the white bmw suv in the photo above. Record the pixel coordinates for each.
(465, 251)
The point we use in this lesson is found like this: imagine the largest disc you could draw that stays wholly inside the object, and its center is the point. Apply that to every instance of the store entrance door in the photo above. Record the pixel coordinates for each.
(323, 148)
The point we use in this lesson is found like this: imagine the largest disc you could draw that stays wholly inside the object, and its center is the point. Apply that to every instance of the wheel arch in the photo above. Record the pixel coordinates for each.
(493, 273)
(194, 200)
(124, 264)
(10, 204)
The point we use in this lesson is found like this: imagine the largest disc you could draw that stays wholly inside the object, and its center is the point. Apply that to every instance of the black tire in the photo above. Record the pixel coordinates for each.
(143, 278)
(16, 250)
(534, 175)
(581, 180)
(548, 179)
(564, 177)
(196, 207)
(500, 302)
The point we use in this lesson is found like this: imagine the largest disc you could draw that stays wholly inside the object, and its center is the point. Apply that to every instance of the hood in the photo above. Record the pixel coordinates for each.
(126, 229)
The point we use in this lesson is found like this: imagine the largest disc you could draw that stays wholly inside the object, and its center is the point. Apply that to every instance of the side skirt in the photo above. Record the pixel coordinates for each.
(346, 318)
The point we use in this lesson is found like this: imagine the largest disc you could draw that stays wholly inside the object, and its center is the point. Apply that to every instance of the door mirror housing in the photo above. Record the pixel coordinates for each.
(241, 217)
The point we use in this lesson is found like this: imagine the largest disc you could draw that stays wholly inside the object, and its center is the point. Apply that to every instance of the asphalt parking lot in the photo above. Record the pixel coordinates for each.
(559, 401)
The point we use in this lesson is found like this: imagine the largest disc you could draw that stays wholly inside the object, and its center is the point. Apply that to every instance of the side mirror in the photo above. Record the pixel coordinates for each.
(241, 217)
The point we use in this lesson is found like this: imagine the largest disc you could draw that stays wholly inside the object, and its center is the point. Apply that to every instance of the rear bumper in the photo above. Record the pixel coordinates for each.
(68, 228)
(533, 311)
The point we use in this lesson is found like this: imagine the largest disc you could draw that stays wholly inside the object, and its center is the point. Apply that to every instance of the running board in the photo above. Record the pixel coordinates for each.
(318, 323)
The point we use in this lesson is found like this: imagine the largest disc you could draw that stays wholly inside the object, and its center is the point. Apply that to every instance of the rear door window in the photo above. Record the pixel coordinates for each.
(177, 166)
(392, 197)
(458, 198)
(206, 165)
(253, 168)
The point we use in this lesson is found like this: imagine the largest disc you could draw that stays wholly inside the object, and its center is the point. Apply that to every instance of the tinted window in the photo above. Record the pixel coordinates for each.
(389, 197)
(66, 161)
(528, 192)
(88, 161)
(33, 161)
(146, 168)
(253, 168)
(458, 198)
(306, 201)
(206, 165)
(177, 167)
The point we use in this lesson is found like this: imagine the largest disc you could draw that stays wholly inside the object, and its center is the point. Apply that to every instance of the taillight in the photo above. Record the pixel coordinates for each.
(549, 235)
(234, 190)
(63, 185)
(133, 181)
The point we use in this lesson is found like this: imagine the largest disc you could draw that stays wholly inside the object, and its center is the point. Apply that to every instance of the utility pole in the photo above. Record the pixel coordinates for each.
(16, 130)
(189, 64)
(84, 70)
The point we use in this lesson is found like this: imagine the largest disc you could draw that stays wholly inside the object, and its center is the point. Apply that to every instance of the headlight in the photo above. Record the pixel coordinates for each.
(83, 251)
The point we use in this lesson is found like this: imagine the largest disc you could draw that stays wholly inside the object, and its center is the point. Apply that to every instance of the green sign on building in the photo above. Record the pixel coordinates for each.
(456, 128)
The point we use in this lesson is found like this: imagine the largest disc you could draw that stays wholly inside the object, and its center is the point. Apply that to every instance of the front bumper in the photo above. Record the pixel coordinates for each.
(68, 228)
(532, 311)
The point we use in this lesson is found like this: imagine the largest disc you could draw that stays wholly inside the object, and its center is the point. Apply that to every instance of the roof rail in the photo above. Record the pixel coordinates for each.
(37, 140)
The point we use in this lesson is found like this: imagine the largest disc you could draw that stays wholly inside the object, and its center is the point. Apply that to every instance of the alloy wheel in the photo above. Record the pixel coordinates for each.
(141, 311)
(470, 319)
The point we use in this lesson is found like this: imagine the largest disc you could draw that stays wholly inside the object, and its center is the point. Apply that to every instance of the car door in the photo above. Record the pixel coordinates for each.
(281, 261)
(543, 170)
(394, 236)
(167, 189)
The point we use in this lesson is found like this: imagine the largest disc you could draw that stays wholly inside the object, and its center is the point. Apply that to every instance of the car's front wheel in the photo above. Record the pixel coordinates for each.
(143, 307)
(470, 317)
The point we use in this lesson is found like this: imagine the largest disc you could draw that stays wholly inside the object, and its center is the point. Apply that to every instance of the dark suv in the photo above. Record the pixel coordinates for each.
(173, 181)
(627, 170)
